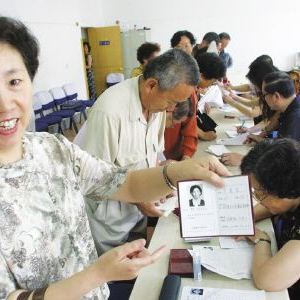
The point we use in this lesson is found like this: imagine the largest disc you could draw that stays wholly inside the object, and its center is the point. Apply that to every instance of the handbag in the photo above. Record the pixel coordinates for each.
(205, 122)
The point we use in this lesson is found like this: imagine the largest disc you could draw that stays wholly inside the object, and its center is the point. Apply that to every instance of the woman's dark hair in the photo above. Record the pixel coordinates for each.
(184, 109)
(258, 71)
(211, 66)
(175, 40)
(279, 82)
(276, 166)
(193, 187)
(262, 58)
(15, 34)
(88, 46)
(146, 50)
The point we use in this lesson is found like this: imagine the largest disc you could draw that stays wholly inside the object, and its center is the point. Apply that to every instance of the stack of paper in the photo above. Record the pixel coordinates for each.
(217, 150)
(234, 141)
(232, 263)
(204, 293)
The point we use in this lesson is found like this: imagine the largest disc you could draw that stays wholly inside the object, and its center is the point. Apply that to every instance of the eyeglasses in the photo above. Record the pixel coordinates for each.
(259, 194)
(263, 96)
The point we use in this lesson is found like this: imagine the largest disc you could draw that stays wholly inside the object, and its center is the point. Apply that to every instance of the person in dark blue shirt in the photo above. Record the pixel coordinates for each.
(278, 93)
(225, 57)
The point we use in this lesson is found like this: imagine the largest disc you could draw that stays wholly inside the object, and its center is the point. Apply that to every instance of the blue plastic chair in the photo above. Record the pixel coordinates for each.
(42, 122)
(50, 109)
(72, 94)
(60, 99)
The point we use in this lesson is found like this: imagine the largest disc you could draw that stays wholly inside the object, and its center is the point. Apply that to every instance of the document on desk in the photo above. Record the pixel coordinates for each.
(206, 210)
(213, 95)
(205, 293)
(227, 242)
(238, 140)
(217, 150)
(232, 263)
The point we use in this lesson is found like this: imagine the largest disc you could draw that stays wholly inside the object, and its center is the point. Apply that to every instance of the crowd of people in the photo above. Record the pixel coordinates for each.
(74, 217)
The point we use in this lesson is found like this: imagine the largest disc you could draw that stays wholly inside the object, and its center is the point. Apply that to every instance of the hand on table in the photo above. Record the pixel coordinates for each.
(232, 159)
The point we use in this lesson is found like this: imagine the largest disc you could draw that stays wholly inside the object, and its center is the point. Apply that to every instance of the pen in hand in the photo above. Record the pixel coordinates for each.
(243, 123)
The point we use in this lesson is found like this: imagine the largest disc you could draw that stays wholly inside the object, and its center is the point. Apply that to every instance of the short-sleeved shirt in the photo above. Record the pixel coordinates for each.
(117, 131)
(137, 71)
(44, 230)
(289, 121)
(290, 230)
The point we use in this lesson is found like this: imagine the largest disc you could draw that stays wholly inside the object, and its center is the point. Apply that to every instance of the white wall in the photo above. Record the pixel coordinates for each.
(256, 26)
(57, 25)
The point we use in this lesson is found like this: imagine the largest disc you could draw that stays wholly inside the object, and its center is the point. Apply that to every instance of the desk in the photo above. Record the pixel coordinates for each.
(149, 282)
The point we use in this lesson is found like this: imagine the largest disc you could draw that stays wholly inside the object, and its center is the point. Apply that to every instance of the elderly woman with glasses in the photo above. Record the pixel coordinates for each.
(274, 168)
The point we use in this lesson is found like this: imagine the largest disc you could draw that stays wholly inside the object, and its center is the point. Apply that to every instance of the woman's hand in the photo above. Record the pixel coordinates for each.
(124, 262)
(150, 209)
(242, 129)
(207, 168)
(232, 159)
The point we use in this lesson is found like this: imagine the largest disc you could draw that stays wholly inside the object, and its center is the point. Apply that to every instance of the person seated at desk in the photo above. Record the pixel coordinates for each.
(196, 193)
(144, 54)
(252, 108)
(256, 76)
(212, 69)
(46, 247)
(274, 168)
(247, 87)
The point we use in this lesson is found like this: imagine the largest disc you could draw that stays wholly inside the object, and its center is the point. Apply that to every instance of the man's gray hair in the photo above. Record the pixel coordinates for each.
(172, 68)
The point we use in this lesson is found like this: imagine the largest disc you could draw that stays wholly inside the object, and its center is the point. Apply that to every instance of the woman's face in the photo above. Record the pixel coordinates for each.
(15, 98)
(272, 203)
(86, 49)
(196, 193)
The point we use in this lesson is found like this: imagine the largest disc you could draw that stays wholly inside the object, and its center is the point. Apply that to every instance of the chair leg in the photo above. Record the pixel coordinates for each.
(74, 125)
(60, 130)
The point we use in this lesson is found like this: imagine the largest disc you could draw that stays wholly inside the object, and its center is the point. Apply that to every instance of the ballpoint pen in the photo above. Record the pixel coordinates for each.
(243, 123)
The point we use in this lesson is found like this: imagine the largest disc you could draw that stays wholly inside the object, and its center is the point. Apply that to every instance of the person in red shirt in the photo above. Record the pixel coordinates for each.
(181, 136)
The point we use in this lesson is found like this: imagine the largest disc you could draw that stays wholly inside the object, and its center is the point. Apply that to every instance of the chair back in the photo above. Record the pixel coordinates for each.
(37, 105)
(114, 78)
(58, 95)
(47, 101)
(70, 91)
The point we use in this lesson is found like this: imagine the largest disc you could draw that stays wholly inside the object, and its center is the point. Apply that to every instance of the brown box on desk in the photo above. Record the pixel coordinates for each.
(180, 263)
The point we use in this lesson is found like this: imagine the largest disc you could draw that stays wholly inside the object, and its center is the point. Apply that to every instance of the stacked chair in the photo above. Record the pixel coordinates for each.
(72, 94)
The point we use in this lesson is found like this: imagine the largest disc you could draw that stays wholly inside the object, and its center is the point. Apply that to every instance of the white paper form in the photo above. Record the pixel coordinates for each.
(232, 263)
(204, 293)
(217, 150)
(227, 242)
(235, 207)
(224, 211)
(234, 141)
(213, 95)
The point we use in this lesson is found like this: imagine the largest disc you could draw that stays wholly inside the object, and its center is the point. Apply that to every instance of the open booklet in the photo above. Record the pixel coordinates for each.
(205, 293)
(206, 210)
